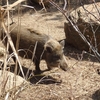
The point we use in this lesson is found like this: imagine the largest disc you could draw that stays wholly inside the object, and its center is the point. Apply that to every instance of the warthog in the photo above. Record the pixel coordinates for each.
(44, 47)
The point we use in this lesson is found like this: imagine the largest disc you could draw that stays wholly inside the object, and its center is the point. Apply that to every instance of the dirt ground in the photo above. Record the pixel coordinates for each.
(80, 82)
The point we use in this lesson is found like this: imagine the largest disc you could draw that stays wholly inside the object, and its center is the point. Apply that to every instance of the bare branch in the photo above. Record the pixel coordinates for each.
(77, 29)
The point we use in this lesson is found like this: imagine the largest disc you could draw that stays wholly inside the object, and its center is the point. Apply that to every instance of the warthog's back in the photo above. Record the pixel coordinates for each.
(28, 39)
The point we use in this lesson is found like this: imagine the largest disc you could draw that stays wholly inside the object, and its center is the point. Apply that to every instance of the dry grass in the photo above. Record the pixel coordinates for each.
(78, 83)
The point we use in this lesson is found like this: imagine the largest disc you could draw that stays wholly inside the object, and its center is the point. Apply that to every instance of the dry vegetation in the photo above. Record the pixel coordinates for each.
(80, 82)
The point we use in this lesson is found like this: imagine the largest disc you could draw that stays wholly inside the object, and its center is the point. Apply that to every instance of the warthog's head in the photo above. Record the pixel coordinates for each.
(54, 55)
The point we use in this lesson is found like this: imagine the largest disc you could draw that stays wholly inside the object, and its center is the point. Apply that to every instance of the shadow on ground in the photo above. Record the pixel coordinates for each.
(72, 52)
(34, 78)
(96, 95)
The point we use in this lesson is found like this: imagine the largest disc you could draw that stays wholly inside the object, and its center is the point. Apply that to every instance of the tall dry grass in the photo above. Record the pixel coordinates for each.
(10, 86)
(5, 14)
(8, 81)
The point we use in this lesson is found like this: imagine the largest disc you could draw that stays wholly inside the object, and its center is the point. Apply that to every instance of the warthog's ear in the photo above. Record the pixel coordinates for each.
(62, 42)
(48, 49)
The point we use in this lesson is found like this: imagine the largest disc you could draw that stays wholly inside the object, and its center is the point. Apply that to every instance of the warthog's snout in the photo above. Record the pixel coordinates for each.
(63, 64)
